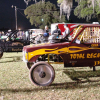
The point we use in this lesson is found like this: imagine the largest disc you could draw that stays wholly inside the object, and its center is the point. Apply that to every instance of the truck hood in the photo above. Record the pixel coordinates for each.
(45, 46)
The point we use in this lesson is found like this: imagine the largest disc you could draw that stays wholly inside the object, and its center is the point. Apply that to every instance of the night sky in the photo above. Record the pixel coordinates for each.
(7, 14)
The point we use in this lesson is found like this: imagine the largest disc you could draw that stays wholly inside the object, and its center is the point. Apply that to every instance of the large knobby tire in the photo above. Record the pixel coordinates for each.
(42, 74)
(1, 52)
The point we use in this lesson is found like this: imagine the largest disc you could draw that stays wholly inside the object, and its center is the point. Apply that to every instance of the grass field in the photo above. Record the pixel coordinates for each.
(69, 84)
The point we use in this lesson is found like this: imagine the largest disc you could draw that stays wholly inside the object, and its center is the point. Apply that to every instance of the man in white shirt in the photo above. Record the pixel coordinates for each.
(66, 30)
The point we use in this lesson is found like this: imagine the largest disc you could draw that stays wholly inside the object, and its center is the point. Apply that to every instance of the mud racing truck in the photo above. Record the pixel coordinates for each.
(14, 42)
(80, 49)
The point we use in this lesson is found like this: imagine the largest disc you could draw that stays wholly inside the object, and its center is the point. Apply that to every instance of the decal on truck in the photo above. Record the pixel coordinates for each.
(82, 56)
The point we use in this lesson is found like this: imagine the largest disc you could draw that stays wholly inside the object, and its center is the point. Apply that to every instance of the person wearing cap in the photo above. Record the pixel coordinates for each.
(55, 35)
(46, 32)
(45, 36)
(66, 30)
(8, 33)
(57, 31)
(46, 29)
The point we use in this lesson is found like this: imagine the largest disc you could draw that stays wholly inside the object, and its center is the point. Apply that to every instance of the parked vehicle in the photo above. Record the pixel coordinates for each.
(14, 42)
(38, 36)
(80, 49)
(34, 33)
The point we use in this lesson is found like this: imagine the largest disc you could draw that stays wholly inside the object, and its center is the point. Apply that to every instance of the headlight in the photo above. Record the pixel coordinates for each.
(25, 56)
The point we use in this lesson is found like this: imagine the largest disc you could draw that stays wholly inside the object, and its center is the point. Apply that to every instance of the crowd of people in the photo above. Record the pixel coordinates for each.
(40, 38)
(45, 37)
(19, 35)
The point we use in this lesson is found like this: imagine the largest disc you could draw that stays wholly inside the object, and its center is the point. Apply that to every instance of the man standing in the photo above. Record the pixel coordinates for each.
(45, 35)
(55, 35)
(46, 29)
(66, 30)
(57, 31)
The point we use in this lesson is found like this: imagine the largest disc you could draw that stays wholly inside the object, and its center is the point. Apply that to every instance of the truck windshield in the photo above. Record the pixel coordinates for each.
(73, 33)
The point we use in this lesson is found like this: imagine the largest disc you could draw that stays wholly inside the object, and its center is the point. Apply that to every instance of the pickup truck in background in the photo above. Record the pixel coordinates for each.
(14, 41)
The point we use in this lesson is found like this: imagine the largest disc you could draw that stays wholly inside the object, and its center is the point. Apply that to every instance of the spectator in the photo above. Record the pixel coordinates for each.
(66, 30)
(8, 33)
(45, 36)
(55, 34)
(46, 29)
(57, 31)
(27, 35)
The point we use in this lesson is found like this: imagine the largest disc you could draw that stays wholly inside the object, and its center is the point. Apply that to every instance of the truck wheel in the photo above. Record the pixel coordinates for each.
(29, 65)
(1, 52)
(42, 74)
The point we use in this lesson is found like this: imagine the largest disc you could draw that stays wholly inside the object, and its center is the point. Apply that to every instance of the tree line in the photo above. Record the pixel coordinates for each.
(43, 13)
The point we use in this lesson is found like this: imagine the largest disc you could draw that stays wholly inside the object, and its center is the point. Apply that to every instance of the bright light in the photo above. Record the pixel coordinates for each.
(12, 6)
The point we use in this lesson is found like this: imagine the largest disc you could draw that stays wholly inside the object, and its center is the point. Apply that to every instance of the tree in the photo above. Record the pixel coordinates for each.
(59, 1)
(65, 7)
(43, 13)
(27, 1)
(87, 9)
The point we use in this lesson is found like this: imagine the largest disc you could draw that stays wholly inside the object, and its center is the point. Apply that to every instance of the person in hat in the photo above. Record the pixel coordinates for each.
(57, 31)
(55, 35)
(45, 35)
(66, 30)
(46, 29)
